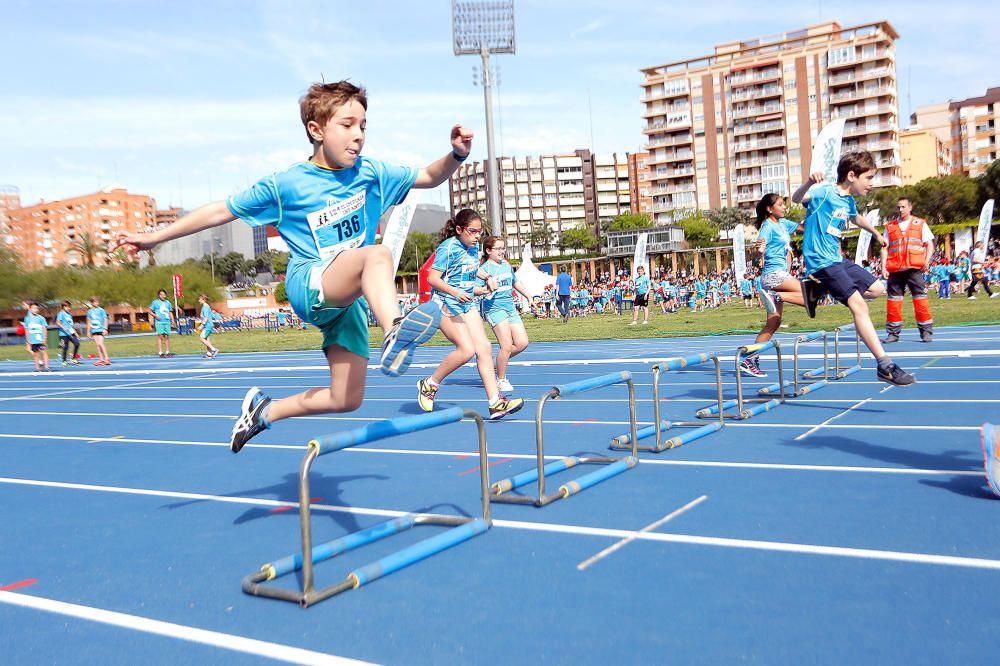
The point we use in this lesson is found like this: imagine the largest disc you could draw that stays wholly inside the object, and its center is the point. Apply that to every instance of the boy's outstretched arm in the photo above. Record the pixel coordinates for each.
(862, 222)
(800, 195)
(439, 171)
(210, 215)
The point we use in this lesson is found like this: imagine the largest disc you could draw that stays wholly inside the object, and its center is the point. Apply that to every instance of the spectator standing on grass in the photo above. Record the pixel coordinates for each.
(162, 313)
(564, 284)
(35, 328)
(97, 328)
(904, 260)
(977, 262)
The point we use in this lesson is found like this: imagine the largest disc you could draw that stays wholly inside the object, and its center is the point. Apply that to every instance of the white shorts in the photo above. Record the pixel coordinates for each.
(774, 279)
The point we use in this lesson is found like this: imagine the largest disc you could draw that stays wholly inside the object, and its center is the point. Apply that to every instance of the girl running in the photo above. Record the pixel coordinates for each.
(777, 284)
(499, 310)
(207, 326)
(453, 278)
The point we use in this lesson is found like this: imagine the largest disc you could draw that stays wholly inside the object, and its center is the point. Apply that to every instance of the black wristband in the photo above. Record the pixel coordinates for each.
(458, 158)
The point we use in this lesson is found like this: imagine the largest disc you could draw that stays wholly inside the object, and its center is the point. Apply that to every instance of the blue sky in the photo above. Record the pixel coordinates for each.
(190, 101)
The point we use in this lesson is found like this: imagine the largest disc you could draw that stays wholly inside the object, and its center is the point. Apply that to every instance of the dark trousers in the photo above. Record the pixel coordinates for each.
(978, 279)
(896, 286)
(563, 305)
(65, 342)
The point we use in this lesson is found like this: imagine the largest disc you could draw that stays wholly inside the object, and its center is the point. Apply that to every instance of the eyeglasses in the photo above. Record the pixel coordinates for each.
(474, 232)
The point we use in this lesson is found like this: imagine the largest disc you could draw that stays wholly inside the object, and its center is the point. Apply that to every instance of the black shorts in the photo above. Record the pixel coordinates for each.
(843, 279)
(38, 347)
(641, 300)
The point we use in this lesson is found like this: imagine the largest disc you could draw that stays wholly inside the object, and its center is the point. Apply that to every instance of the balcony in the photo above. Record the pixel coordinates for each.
(859, 57)
(763, 92)
(669, 92)
(863, 93)
(677, 122)
(758, 161)
(887, 181)
(671, 189)
(756, 128)
(869, 128)
(758, 145)
(753, 111)
(654, 111)
(676, 140)
(747, 78)
(863, 75)
(866, 111)
(674, 156)
(749, 195)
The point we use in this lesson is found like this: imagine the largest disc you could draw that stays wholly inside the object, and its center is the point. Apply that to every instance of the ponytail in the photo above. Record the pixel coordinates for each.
(766, 202)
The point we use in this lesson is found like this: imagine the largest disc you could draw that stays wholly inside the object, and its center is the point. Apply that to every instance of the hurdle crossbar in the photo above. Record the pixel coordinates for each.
(809, 380)
(610, 466)
(659, 426)
(840, 371)
(462, 527)
(759, 405)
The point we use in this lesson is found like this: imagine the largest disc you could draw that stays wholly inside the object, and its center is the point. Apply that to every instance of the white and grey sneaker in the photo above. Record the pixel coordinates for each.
(407, 333)
(503, 385)
(250, 422)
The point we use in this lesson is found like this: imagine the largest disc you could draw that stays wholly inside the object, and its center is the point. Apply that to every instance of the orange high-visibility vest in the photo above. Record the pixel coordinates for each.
(905, 250)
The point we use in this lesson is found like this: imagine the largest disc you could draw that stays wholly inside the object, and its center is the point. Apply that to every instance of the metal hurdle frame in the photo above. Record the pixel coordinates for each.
(463, 527)
(611, 466)
(621, 442)
(809, 380)
(761, 405)
(841, 371)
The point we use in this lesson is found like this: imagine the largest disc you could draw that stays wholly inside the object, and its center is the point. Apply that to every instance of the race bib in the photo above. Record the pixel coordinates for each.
(339, 227)
(834, 231)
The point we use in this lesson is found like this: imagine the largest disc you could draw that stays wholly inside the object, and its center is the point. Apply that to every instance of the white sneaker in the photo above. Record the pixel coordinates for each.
(645, 323)
(995, 294)
(503, 384)
(631, 323)
(972, 298)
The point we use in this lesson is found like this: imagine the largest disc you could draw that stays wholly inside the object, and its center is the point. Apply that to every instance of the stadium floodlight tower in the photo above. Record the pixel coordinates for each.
(482, 27)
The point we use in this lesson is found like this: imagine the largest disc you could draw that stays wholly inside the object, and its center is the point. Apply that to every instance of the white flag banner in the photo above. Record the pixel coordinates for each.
(985, 221)
(963, 241)
(739, 251)
(865, 238)
(529, 277)
(398, 226)
(826, 150)
(640, 252)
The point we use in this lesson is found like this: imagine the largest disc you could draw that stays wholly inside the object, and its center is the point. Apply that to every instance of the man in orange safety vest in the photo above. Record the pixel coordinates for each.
(904, 260)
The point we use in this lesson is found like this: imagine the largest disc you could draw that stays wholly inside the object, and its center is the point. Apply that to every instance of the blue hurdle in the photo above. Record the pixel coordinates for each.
(760, 405)
(462, 528)
(809, 380)
(840, 371)
(701, 429)
(610, 466)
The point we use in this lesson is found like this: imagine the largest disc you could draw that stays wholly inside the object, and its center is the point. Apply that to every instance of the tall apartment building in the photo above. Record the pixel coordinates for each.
(725, 129)
(42, 233)
(924, 155)
(974, 130)
(10, 198)
(639, 177)
(566, 191)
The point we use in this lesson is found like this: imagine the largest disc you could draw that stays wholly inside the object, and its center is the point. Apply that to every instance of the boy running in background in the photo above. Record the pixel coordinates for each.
(35, 327)
(97, 326)
(207, 326)
(828, 210)
(67, 335)
(163, 318)
(327, 210)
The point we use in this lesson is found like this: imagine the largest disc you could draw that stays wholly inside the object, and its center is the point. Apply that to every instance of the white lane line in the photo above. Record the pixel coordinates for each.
(557, 528)
(130, 385)
(915, 471)
(541, 362)
(618, 545)
(285, 653)
(833, 418)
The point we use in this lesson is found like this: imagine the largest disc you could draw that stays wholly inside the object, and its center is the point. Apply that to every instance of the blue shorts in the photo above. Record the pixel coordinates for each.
(345, 327)
(451, 307)
(206, 331)
(162, 327)
(843, 279)
(501, 315)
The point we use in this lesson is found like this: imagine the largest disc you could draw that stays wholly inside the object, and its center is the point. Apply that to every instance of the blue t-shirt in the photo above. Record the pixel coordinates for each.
(65, 322)
(827, 214)
(757, 284)
(98, 319)
(502, 298)
(563, 283)
(459, 265)
(161, 309)
(321, 212)
(777, 237)
(641, 285)
(700, 287)
(206, 315)
(34, 328)
(746, 287)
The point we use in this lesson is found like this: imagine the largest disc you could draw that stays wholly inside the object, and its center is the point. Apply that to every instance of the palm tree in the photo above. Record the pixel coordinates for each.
(87, 246)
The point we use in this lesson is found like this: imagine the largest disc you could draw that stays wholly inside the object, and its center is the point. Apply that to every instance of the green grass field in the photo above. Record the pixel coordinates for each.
(727, 319)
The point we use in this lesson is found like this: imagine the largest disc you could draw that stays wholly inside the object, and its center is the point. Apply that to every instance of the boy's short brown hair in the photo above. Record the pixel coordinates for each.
(859, 162)
(323, 99)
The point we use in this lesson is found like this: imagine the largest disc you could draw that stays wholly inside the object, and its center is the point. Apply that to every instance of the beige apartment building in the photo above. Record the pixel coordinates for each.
(726, 128)
(43, 233)
(924, 155)
(969, 127)
(10, 198)
(566, 191)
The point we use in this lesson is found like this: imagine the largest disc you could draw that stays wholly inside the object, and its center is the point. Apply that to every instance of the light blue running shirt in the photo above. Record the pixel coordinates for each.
(34, 328)
(502, 298)
(65, 321)
(321, 212)
(777, 237)
(642, 285)
(459, 265)
(161, 309)
(98, 319)
(206, 317)
(827, 215)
